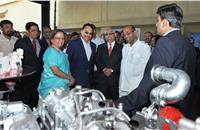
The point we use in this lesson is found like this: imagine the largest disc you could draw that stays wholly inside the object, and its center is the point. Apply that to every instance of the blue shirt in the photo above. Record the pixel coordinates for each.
(49, 80)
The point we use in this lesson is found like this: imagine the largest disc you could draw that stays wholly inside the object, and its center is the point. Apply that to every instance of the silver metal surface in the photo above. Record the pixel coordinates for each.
(176, 84)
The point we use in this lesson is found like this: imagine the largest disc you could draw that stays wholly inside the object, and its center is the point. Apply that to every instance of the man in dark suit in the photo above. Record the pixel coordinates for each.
(46, 32)
(172, 50)
(33, 52)
(108, 61)
(81, 55)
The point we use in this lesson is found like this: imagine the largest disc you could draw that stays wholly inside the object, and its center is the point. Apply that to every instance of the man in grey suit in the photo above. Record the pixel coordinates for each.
(171, 50)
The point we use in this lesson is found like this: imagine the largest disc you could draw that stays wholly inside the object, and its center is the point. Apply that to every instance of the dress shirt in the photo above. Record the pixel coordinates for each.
(7, 45)
(87, 48)
(173, 29)
(98, 41)
(38, 47)
(134, 60)
(112, 44)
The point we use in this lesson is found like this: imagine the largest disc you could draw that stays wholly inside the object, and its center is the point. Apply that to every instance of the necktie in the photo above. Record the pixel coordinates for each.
(110, 49)
(34, 45)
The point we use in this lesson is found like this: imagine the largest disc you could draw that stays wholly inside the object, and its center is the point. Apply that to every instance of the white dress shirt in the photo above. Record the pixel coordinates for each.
(87, 48)
(134, 60)
(7, 45)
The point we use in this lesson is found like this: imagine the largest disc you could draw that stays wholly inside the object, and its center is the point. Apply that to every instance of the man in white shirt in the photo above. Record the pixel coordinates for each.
(135, 55)
(7, 40)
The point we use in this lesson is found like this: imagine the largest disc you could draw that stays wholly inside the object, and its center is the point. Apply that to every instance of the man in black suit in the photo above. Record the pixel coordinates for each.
(172, 50)
(33, 53)
(108, 61)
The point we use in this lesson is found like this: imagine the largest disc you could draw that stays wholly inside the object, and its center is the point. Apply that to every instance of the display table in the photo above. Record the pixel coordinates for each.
(14, 74)
(8, 78)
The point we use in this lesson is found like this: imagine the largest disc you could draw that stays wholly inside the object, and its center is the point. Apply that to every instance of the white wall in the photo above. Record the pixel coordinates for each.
(21, 12)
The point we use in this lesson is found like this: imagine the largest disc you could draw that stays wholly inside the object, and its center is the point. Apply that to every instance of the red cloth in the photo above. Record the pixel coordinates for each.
(170, 113)
(34, 45)
(110, 49)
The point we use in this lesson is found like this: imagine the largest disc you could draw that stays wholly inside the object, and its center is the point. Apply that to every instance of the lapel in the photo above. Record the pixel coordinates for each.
(83, 50)
(30, 47)
(113, 50)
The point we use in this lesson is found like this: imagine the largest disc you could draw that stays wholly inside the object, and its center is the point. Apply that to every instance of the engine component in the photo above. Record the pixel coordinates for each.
(17, 116)
(80, 109)
(187, 124)
(175, 86)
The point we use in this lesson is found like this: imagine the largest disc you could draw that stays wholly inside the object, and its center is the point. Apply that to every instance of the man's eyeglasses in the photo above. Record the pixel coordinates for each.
(106, 34)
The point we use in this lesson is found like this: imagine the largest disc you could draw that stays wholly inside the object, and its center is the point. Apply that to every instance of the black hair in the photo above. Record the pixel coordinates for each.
(88, 24)
(133, 28)
(5, 22)
(171, 12)
(45, 26)
(30, 24)
(149, 33)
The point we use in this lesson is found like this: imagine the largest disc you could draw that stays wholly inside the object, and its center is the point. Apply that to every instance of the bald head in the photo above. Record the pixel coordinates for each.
(130, 34)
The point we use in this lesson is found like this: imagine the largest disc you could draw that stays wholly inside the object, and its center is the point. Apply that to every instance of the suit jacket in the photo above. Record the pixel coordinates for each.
(30, 57)
(113, 61)
(173, 51)
(26, 89)
(81, 69)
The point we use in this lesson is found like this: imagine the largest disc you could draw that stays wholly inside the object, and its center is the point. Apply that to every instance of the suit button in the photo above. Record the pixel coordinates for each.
(88, 71)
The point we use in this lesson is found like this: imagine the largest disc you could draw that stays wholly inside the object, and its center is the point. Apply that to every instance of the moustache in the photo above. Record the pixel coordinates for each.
(9, 33)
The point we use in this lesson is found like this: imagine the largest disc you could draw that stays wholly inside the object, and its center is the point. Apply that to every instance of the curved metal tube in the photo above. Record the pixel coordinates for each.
(175, 88)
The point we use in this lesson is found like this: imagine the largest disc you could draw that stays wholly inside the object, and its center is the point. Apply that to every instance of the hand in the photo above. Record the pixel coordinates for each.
(71, 80)
(107, 71)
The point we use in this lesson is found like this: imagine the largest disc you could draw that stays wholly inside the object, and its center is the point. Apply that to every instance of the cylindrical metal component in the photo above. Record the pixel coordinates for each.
(175, 88)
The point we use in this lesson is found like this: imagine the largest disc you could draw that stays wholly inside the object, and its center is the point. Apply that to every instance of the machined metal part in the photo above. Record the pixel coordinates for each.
(80, 109)
(176, 84)
(17, 116)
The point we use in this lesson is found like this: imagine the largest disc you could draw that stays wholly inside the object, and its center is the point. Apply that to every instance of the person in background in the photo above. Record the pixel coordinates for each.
(45, 40)
(56, 72)
(7, 40)
(172, 50)
(153, 41)
(96, 39)
(81, 55)
(108, 61)
(74, 36)
(17, 34)
(135, 55)
(118, 35)
(147, 37)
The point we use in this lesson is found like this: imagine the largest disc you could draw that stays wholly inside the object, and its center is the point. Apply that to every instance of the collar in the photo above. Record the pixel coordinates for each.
(112, 44)
(171, 30)
(32, 39)
(84, 41)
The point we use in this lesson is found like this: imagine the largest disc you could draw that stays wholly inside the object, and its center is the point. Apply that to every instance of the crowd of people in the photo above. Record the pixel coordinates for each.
(116, 63)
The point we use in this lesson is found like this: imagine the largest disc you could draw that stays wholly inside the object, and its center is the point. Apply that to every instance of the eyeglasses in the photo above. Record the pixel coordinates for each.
(106, 34)
(59, 38)
(88, 33)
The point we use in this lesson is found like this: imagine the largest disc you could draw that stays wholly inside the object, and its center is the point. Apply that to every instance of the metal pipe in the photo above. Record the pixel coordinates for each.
(175, 88)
